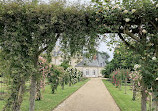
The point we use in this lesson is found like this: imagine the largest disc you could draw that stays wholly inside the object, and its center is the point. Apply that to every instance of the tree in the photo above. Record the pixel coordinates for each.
(136, 24)
(54, 76)
(29, 28)
(123, 58)
(105, 56)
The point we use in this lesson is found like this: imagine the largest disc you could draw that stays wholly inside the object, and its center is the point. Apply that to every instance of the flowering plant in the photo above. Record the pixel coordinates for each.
(136, 77)
(119, 75)
(43, 71)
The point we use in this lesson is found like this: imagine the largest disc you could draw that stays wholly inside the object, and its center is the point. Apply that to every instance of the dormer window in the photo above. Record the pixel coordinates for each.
(101, 64)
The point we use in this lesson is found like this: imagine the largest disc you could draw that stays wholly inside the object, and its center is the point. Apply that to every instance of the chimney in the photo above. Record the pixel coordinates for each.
(94, 57)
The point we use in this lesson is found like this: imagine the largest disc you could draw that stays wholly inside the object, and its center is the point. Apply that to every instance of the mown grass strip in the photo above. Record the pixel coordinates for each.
(124, 101)
(50, 101)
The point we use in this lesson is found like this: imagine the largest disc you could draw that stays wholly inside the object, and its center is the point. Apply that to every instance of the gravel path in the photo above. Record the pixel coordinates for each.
(93, 96)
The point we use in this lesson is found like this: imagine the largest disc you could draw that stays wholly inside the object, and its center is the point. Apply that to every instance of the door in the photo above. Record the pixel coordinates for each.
(94, 73)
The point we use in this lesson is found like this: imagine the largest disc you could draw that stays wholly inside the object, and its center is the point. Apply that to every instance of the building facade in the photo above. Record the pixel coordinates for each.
(92, 68)
(89, 67)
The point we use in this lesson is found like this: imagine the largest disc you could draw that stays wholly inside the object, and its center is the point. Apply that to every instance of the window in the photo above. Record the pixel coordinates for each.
(87, 72)
(93, 72)
(101, 64)
(85, 49)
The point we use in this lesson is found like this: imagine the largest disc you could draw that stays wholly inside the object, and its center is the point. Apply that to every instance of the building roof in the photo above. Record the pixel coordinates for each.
(97, 61)
(56, 53)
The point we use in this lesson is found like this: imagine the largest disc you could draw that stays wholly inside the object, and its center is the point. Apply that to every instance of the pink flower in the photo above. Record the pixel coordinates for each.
(150, 93)
(146, 91)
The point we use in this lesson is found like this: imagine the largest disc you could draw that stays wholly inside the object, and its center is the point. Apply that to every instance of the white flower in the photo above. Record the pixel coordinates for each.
(116, 6)
(133, 10)
(121, 27)
(143, 58)
(156, 5)
(125, 11)
(127, 19)
(154, 58)
(107, 8)
(137, 66)
(156, 19)
(120, 8)
(144, 31)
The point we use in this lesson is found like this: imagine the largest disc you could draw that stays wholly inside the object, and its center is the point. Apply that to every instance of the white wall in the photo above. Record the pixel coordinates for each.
(91, 69)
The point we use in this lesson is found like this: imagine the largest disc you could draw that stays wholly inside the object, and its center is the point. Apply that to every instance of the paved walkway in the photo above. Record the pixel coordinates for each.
(93, 96)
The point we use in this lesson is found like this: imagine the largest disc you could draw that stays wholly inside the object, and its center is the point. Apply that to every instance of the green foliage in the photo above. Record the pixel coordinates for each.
(135, 22)
(53, 77)
(63, 77)
(29, 28)
(65, 64)
(108, 69)
(3, 63)
(74, 76)
(105, 56)
(123, 58)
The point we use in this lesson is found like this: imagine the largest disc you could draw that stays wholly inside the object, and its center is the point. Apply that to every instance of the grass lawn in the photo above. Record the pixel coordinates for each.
(49, 100)
(124, 101)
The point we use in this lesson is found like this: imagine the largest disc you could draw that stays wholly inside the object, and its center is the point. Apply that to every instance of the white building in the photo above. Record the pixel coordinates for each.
(90, 68)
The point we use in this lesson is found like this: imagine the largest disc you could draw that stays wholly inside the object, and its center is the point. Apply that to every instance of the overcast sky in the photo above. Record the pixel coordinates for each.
(102, 47)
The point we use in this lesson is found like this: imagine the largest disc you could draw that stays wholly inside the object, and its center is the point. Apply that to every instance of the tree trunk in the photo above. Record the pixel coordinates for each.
(125, 85)
(33, 86)
(16, 97)
(134, 92)
(120, 84)
(20, 96)
(154, 97)
(154, 103)
(32, 93)
(62, 84)
(62, 87)
(38, 94)
(53, 88)
(155, 89)
(69, 83)
(150, 103)
(143, 99)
